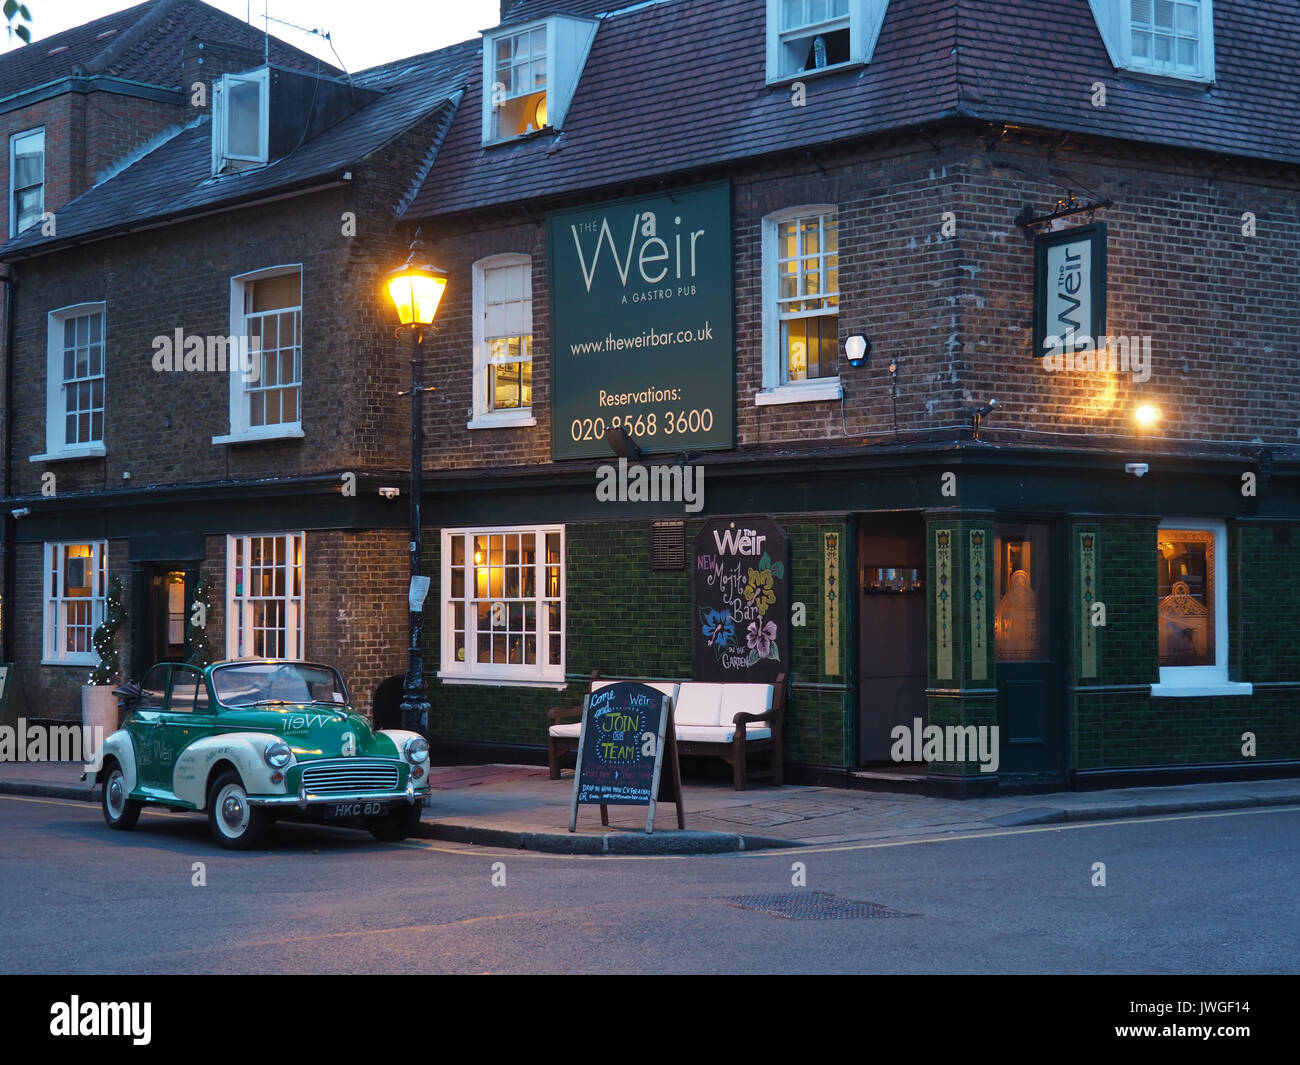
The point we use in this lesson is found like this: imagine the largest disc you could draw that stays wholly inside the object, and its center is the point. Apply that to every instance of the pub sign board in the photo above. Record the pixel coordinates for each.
(641, 323)
(620, 748)
(1070, 291)
(741, 601)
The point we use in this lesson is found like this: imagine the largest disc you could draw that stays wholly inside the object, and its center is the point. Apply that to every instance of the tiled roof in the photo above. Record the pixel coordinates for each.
(142, 43)
(679, 85)
(527, 10)
(174, 179)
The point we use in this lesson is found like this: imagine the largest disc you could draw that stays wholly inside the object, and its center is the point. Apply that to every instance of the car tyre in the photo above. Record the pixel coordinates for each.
(120, 812)
(234, 823)
(397, 825)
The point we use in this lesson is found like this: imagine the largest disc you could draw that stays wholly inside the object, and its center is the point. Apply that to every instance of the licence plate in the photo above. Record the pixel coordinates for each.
(355, 809)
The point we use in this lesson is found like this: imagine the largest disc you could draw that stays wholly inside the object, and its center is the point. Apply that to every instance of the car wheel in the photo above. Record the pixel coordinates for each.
(120, 812)
(234, 823)
(397, 825)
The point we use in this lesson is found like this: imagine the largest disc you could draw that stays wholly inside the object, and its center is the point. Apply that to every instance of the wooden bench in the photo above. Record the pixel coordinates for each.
(730, 721)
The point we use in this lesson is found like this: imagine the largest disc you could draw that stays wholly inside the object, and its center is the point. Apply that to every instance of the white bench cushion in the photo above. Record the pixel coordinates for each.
(572, 731)
(744, 699)
(698, 704)
(719, 733)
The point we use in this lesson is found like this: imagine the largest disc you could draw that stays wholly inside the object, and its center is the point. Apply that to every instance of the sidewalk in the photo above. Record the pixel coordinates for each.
(519, 807)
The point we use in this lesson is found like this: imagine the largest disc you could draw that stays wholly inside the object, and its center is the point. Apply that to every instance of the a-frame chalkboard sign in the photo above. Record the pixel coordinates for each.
(627, 737)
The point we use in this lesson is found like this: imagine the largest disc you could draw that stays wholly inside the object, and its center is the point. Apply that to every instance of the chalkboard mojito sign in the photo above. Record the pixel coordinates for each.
(641, 323)
(624, 739)
(740, 578)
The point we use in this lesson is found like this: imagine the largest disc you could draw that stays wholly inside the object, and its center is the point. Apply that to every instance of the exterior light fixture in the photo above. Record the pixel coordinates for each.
(1146, 415)
(857, 349)
(416, 287)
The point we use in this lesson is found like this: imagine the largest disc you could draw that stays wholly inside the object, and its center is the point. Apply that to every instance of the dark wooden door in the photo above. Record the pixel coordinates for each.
(1026, 639)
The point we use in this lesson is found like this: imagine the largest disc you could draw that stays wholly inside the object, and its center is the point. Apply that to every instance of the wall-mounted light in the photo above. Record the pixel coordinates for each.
(622, 444)
(857, 349)
(1146, 415)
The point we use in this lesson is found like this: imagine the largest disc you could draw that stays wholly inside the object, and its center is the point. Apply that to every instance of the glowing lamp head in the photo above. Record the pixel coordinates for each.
(416, 287)
(1146, 415)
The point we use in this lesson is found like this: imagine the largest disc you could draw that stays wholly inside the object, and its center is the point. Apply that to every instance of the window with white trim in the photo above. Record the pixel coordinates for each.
(801, 297)
(266, 331)
(26, 180)
(1169, 38)
(240, 120)
(76, 583)
(530, 74)
(808, 36)
(503, 341)
(74, 401)
(1192, 609)
(503, 604)
(264, 595)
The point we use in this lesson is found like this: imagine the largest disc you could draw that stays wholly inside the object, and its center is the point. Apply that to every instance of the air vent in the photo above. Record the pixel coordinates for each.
(667, 545)
(57, 49)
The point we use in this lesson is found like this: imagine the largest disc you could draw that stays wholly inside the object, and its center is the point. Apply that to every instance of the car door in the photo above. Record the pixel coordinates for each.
(152, 766)
(186, 717)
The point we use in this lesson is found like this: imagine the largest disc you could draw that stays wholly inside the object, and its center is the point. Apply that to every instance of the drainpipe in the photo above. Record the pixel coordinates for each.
(10, 576)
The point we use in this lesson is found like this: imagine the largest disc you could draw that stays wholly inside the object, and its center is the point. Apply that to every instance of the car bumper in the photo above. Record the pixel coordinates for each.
(305, 799)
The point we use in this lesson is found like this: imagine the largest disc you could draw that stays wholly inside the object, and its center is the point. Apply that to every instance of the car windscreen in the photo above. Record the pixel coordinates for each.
(251, 683)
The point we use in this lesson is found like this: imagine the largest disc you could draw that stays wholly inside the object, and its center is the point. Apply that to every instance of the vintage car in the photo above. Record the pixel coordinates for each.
(255, 740)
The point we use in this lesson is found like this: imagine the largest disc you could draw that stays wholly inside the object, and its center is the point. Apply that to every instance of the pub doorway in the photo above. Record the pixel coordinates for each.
(892, 662)
(169, 593)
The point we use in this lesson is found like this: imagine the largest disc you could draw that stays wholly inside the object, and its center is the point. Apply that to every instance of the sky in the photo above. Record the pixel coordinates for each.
(365, 32)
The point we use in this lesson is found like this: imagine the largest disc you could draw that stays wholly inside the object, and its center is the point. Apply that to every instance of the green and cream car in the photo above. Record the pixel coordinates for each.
(255, 740)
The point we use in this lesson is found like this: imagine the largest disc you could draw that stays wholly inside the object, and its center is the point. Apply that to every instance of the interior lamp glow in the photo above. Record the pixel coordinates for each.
(539, 115)
(416, 287)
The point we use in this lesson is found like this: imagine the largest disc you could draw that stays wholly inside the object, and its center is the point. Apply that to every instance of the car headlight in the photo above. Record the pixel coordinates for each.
(277, 754)
(416, 749)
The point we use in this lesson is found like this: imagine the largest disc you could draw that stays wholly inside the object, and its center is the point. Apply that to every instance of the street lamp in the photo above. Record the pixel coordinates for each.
(416, 288)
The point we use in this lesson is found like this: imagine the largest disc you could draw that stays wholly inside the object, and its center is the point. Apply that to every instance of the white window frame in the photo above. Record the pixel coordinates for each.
(482, 417)
(295, 607)
(1115, 23)
(57, 448)
(54, 650)
(568, 42)
(13, 174)
(776, 389)
(1189, 681)
(865, 17)
(240, 429)
(541, 674)
(221, 119)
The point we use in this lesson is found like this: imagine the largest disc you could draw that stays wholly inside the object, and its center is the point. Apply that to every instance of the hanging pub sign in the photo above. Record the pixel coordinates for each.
(741, 594)
(1069, 294)
(641, 323)
(626, 739)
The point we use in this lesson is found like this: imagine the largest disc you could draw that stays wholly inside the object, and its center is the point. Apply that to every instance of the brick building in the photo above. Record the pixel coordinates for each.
(799, 247)
(265, 220)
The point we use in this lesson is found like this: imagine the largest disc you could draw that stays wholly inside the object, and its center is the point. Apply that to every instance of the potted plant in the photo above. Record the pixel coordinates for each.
(98, 702)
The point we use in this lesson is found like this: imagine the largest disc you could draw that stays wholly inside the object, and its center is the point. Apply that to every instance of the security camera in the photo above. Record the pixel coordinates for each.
(390, 493)
(1137, 469)
(21, 512)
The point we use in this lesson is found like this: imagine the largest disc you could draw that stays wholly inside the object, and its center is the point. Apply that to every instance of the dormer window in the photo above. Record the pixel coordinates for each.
(1167, 38)
(807, 36)
(519, 84)
(240, 120)
(530, 74)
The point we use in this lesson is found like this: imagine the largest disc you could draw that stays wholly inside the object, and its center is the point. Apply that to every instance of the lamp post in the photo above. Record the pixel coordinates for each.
(416, 288)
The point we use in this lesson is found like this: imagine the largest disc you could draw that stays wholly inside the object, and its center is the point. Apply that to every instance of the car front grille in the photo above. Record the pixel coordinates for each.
(349, 774)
